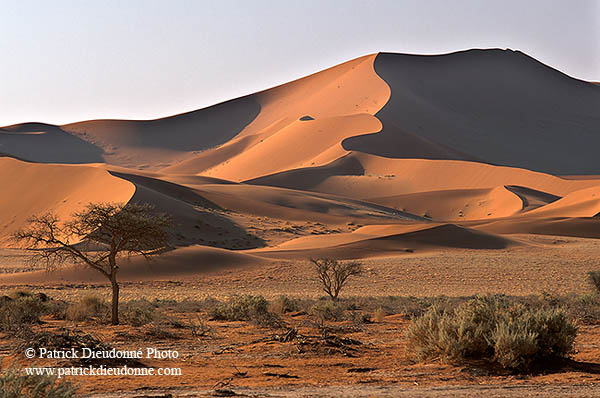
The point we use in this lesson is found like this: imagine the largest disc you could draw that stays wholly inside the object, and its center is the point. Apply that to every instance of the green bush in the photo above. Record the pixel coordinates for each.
(494, 329)
(15, 384)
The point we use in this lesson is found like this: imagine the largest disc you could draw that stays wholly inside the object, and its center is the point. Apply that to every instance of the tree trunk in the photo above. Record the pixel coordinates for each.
(115, 300)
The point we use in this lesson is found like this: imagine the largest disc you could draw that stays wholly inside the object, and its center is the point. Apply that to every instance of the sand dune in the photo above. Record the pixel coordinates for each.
(40, 142)
(396, 143)
(581, 203)
(427, 114)
(554, 226)
(364, 176)
(29, 189)
(494, 106)
(314, 142)
(301, 123)
(289, 204)
(457, 204)
(159, 143)
(531, 198)
(376, 241)
(182, 263)
(500, 106)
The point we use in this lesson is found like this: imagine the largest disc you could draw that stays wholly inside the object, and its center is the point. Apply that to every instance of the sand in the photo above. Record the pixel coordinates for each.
(386, 154)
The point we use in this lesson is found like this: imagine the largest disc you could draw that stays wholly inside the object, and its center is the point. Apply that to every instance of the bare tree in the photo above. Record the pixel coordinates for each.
(334, 274)
(98, 237)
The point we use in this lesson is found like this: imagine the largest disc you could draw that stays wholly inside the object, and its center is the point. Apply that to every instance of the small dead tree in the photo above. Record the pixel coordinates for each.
(98, 237)
(334, 274)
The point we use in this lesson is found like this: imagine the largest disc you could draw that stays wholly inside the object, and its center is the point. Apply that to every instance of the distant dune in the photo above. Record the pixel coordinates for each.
(383, 154)
(31, 189)
(497, 106)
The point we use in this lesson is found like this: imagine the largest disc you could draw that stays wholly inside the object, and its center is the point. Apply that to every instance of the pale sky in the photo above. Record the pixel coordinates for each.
(67, 61)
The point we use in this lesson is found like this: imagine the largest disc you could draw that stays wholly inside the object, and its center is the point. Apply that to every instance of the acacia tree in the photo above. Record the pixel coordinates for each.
(98, 237)
(334, 274)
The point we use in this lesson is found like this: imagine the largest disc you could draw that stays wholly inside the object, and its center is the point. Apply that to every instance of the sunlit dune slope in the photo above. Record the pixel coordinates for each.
(493, 106)
(29, 189)
(582, 203)
(301, 123)
(457, 204)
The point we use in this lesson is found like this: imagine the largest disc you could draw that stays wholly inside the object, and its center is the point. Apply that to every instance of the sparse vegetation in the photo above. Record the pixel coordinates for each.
(327, 311)
(19, 313)
(594, 278)
(246, 308)
(284, 304)
(88, 308)
(157, 330)
(334, 274)
(96, 237)
(494, 329)
(138, 312)
(14, 383)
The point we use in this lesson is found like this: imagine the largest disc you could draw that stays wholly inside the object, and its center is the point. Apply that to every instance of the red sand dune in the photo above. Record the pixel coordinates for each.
(31, 189)
(398, 143)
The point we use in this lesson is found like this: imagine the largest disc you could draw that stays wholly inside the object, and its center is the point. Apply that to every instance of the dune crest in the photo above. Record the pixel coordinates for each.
(300, 123)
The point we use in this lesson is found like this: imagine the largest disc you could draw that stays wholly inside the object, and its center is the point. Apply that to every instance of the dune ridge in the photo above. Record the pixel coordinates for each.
(385, 154)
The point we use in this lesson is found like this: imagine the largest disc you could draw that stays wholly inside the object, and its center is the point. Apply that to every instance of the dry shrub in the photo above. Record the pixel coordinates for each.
(159, 331)
(379, 315)
(594, 277)
(490, 328)
(327, 311)
(284, 304)
(20, 313)
(14, 383)
(138, 312)
(90, 307)
(246, 308)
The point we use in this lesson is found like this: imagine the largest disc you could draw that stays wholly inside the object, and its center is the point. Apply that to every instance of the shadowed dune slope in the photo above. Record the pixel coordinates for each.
(45, 143)
(287, 204)
(205, 213)
(360, 175)
(29, 189)
(158, 143)
(532, 199)
(492, 106)
(374, 241)
(497, 106)
(558, 226)
(181, 262)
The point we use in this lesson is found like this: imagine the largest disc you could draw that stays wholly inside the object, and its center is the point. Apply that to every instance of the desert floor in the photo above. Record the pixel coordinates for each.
(246, 359)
